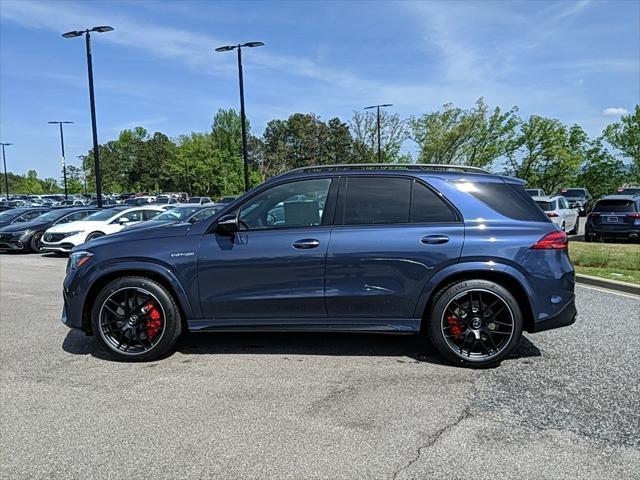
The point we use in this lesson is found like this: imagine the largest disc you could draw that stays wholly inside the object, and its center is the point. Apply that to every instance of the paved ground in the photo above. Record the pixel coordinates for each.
(312, 406)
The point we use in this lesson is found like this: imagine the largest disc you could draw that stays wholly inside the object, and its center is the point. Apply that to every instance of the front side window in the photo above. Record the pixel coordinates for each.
(293, 204)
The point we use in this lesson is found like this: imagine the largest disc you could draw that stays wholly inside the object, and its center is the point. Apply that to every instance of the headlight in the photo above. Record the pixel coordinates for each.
(78, 259)
(71, 234)
(21, 233)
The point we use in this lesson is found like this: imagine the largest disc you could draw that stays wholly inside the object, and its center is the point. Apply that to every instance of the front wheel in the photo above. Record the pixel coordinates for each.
(36, 242)
(136, 319)
(475, 323)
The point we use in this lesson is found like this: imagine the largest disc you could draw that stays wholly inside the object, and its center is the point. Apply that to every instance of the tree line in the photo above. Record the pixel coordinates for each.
(543, 151)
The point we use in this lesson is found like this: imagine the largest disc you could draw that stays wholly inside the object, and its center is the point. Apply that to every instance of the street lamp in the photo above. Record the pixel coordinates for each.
(377, 107)
(64, 165)
(92, 101)
(245, 154)
(4, 161)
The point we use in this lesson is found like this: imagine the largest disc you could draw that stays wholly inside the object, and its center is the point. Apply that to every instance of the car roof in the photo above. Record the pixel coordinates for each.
(545, 198)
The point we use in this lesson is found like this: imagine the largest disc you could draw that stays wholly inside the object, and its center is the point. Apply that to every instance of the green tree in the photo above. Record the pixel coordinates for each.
(393, 133)
(550, 153)
(601, 173)
(468, 137)
(625, 136)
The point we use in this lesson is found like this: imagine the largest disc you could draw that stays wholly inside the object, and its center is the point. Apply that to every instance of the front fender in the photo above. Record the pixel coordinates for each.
(470, 268)
(140, 267)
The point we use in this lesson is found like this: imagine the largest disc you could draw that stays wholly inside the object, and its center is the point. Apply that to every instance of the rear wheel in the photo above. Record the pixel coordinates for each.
(475, 323)
(574, 230)
(136, 319)
(36, 242)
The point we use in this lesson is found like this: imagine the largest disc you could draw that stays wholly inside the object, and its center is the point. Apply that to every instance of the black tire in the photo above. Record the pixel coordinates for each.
(445, 346)
(563, 227)
(35, 244)
(93, 235)
(101, 316)
(574, 230)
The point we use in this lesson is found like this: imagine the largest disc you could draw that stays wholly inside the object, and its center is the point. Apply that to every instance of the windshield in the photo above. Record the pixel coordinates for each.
(614, 206)
(547, 206)
(179, 213)
(9, 214)
(102, 215)
(573, 193)
(50, 216)
(628, 191)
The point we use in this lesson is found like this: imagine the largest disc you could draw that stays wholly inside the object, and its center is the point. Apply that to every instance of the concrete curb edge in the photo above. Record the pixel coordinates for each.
(608, 284)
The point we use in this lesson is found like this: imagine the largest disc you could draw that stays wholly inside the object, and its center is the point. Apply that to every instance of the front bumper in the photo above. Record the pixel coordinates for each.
(16, 245)
(564, 318)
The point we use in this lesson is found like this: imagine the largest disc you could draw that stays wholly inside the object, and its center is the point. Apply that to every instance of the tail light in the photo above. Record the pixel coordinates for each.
(632, 215)
(552, 241)
(552, 214)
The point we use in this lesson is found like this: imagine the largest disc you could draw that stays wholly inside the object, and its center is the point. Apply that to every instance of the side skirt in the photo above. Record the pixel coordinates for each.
(380, 325)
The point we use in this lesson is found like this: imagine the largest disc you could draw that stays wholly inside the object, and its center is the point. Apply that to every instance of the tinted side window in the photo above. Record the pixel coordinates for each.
(507, 199)
(427, 207)
(293, 204)
(376, 200)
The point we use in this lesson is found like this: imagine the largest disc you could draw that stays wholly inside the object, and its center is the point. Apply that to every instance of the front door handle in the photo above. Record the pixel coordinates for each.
(306, 243)
(434, 239)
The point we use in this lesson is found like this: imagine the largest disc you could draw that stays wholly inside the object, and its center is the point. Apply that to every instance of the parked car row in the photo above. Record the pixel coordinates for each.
(59, 230)
(615, 216)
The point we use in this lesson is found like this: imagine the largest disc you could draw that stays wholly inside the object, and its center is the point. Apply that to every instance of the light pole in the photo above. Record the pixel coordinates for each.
(377, 107)
(92, 101)
(4, 161)
(64, 165)
(245, 154)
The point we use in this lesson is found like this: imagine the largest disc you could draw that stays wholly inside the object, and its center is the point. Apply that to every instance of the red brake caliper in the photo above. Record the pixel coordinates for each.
(155, 320)
(456, 329)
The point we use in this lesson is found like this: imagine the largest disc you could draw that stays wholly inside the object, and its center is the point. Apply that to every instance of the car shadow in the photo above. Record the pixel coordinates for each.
(414, 347)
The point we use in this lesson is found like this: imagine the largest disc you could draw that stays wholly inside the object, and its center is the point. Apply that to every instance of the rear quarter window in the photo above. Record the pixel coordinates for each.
(509, 200)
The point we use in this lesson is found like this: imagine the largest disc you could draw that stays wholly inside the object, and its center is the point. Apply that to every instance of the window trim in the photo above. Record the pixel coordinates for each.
(341, 203)
(329, 207)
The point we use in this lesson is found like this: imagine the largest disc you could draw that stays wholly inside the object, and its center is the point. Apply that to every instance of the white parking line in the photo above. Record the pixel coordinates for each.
(628, 295)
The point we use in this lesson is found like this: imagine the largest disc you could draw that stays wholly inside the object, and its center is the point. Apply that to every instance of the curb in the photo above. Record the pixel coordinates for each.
(609, 284)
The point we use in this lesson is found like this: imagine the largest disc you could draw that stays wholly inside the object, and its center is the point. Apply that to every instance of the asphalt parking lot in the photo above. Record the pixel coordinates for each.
(312, 406)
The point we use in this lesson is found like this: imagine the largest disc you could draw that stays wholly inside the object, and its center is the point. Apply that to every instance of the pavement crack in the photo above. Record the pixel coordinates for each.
(433, 439)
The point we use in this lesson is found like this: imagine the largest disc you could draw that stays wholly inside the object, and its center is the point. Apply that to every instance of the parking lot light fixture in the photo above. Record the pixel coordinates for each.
(245, 154)
(96, 150)
(64, 165)
(377, 107)
(4, 161)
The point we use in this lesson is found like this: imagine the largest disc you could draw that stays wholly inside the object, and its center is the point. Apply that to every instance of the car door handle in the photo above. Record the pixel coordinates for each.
(306, 243)
(434, 239)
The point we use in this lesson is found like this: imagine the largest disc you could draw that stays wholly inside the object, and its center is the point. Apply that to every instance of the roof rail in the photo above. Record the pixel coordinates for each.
(389, 166)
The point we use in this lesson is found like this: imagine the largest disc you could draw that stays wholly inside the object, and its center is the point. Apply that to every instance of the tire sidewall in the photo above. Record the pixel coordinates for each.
(94, 235)
(442, 300)
(33, 242)
(172, 320)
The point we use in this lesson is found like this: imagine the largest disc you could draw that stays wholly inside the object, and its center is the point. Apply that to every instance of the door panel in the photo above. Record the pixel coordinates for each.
(380, 271)
(261, 274)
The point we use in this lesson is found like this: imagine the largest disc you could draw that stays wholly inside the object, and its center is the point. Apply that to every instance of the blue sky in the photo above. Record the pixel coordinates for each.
(578, 61)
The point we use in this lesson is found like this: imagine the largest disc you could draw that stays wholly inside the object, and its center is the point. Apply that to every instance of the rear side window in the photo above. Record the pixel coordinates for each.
(615, 206)
(376, 200)
(507, 199)
(391, 200)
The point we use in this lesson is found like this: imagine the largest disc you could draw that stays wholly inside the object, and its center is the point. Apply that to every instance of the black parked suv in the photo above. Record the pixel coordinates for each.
(614, 216)
(578, 198)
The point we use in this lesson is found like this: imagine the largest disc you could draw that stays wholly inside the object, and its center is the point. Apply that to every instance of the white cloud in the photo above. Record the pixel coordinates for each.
(614, 111)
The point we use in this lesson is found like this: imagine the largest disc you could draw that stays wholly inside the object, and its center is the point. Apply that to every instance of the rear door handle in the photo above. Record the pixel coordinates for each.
(306, 243)
(434, 239)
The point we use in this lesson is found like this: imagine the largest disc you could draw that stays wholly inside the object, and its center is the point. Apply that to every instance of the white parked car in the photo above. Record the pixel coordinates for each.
(557, 209)
(62, 238)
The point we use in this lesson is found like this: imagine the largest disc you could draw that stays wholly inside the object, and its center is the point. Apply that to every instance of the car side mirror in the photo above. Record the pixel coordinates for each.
(123, 220)
(228, 224)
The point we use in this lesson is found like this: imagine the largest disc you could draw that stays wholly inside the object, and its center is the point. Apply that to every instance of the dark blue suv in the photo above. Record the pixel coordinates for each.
(461, 255)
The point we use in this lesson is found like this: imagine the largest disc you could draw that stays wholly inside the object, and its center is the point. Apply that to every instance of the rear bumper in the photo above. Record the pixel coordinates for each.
(631, 233)
(564, 318)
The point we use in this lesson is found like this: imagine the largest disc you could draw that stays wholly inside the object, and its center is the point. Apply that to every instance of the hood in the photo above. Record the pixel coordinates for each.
(137, 234)
(18, 227)
(78, 226)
